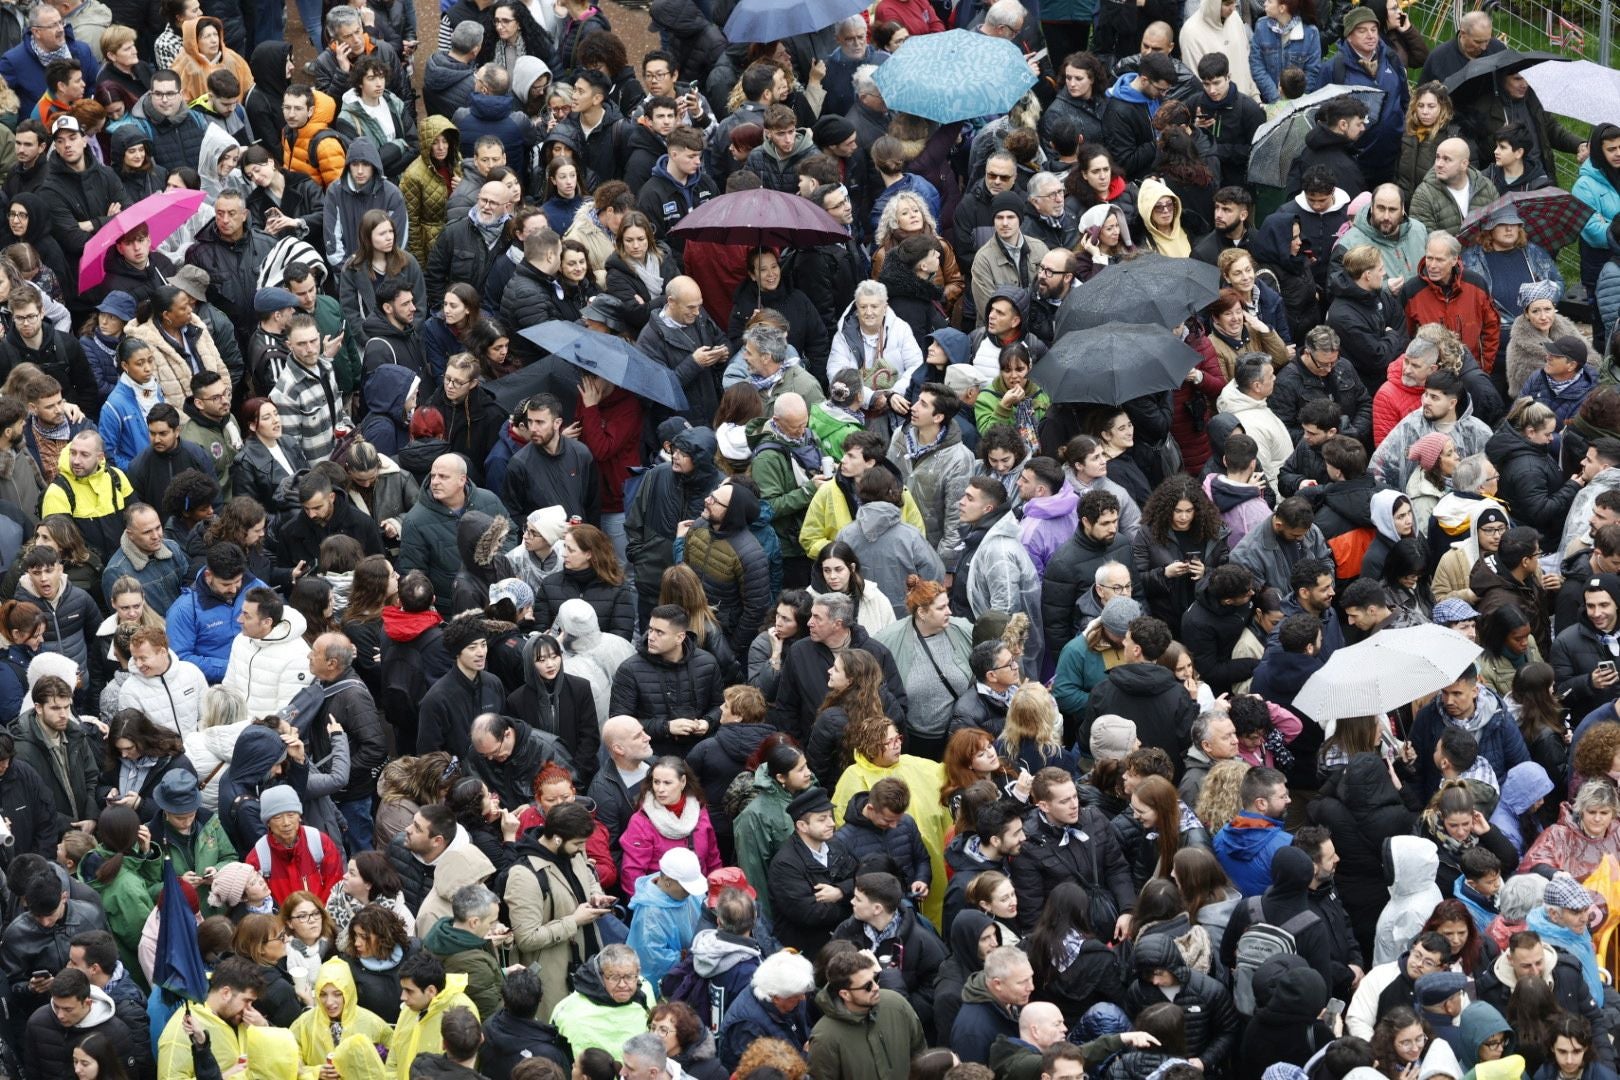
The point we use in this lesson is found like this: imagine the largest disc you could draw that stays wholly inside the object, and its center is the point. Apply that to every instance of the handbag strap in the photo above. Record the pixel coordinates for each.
(923, 643)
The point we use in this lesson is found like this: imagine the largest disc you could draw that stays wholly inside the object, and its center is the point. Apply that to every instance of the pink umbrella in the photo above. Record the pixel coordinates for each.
(162, 214)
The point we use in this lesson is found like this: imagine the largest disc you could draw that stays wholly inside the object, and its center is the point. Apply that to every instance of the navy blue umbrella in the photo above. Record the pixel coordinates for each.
(772, 20)
(613, 358)
(179, 966)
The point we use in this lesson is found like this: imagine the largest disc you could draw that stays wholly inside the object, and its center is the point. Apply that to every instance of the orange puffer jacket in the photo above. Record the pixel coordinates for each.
(327, 168)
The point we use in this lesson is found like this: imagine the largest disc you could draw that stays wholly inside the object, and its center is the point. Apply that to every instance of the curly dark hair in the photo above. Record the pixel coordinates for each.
(1158, 511)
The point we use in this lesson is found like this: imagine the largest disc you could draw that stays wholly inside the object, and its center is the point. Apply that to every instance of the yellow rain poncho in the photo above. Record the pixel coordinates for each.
(313, 1030)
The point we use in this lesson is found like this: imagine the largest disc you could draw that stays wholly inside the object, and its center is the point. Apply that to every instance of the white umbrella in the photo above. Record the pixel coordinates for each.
(1390, 669)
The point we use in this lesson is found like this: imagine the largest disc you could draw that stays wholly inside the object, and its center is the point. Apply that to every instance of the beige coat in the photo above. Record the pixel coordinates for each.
(543, 926)
(173, 373)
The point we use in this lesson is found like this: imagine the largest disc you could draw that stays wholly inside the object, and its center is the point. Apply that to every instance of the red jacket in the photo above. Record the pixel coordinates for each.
(1393, 401)
(611, 431)
(1186, 427)
(295, 868)
(917, 16)
(1463, 306)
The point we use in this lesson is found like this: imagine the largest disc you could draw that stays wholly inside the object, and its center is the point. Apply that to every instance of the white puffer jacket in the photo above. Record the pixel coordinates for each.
(172, 700)
(210, 751)
(268, 672)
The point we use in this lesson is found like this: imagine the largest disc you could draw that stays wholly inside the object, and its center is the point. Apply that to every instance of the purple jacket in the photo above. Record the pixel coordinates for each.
(1048, 522)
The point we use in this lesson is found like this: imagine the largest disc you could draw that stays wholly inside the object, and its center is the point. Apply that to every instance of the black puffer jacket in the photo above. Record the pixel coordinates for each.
(903, 843)
(1141, 847)
(615, 605)
(918, 950)
(692, 39)
(918, 303)
(48, 1046)
(656, 691)
(1211, 630)
(1069, 573)
(1289, 997)
(806, 333)
(1212, 1020)
(459, 253)
(1371, 327)
(1576, 652)
(1362, 808)
(1295, 386)
(1531, 484)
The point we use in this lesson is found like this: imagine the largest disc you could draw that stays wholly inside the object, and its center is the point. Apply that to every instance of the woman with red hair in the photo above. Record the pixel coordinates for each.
(552, 787)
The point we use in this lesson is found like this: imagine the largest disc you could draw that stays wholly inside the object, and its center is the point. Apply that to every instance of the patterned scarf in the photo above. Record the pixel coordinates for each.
(45, 58)
(915, 450)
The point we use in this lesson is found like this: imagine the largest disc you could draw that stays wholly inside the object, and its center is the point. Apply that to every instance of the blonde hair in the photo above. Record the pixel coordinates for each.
(1032, 717)
(1219, 800)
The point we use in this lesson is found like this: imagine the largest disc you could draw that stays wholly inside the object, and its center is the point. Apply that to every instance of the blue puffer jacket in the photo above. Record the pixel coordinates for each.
(202, 626)
(1608, 296)
(1594, 189)
(123, 425)
(1272, 51)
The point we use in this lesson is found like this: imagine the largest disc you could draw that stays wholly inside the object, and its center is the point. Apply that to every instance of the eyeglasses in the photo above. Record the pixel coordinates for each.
(1005, 178)
(1047, 271)
(1117, 590)
(305, 916)
(453, 383)
(625, 978)
(870, 985)
(1497, 1041)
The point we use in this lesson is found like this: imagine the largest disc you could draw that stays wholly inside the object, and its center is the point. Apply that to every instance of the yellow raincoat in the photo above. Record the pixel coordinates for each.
(272, 1053)
(923, 777)
(418, 1033)
(174, 1045)
(313, 1029)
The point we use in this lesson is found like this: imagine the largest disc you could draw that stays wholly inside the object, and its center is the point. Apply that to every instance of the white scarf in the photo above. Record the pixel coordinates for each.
(668, 825)
(147, 394)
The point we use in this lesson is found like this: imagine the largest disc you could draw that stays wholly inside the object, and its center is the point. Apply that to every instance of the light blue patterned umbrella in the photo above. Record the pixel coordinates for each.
(955, 75)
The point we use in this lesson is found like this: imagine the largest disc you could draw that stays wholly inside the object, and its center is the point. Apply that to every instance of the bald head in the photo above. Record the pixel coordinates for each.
(1158, 37)
(1040, 1023)
(1474, 34)
(454, 464)
(1451, 162)
(492, 201)
(626, 740)
(683, 300)
(791, 414)
(332, 654)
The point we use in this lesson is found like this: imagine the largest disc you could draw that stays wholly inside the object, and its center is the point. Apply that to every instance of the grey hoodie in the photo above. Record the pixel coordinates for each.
(889, 550)
(346, 203)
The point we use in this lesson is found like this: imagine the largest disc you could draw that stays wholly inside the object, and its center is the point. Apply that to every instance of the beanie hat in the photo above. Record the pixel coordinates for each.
(50, 663)
(1356, 16)
(463, 631)
(1427, 450)
(1007, 200)
(550, 522)
(1118, 615)
(1112, 737)
(831, 130)
(280, 799)
(230, 882)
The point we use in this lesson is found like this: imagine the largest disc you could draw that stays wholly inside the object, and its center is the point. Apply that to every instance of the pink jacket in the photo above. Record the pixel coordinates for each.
(644, 845)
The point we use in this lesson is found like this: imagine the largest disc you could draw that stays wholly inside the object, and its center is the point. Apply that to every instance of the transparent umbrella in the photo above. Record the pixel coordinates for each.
(1282, 139)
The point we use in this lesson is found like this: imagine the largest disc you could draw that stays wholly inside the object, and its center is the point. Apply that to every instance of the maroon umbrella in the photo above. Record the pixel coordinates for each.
(762, 218)
(1552, 217)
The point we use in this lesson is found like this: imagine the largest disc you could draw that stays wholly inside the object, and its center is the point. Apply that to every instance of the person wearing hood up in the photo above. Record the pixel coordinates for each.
(1361, 807)
(362, 187)
(1484, 1036)
(728, 558)
(337, 1009)
(1285, 902)
(389, 392)
(1160, 210)
(669, 493)
(1132, 102)
(1524, 789)
(1286, 1027)
(272, 67)
(609, 1004)
(1410, 866)
(1162, 974)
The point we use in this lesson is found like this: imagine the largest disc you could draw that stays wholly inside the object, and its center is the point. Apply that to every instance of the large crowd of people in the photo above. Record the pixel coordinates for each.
(865, 711)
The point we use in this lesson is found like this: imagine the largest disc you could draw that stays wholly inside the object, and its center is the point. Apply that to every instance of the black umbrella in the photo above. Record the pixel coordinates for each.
(1153, 289)
(1504, 62)
(1113, 363)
